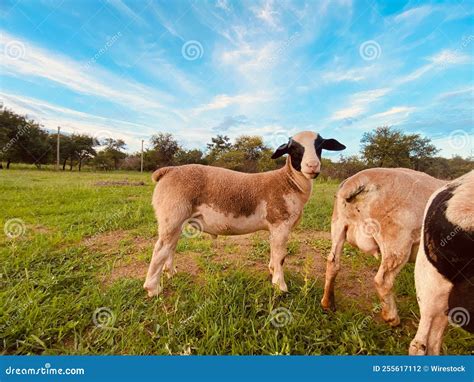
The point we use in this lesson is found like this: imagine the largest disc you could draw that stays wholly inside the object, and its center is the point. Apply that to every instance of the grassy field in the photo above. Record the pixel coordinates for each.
(71, 281)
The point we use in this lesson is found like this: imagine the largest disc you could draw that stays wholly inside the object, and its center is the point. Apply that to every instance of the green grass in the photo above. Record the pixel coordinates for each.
(77, 234)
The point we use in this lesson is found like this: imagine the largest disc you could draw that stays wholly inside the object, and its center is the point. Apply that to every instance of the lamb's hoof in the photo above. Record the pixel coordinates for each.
(170, 272)
(328, 306)
(151, 291)
(281, 287)
(417, 348)
(392, 321)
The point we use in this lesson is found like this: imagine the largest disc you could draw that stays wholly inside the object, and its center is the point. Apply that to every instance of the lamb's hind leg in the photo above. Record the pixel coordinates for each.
(169, 230)
(169, 267)
(162, 253)
(338, 236)
(395, 255)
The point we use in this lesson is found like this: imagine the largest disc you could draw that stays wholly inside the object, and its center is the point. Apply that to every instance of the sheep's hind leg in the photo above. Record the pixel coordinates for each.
(394, 256)
(169, 267)
(338, 236)
(278, 241)
(162, 253)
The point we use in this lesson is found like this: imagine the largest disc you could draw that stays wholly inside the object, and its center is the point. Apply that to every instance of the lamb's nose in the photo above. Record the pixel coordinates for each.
(313, 166)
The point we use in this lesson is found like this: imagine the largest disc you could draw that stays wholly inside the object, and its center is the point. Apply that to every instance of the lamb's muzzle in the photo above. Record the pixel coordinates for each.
(224, 202)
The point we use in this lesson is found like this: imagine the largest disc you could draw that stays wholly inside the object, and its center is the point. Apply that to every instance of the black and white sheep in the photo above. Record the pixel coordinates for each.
(444, 269)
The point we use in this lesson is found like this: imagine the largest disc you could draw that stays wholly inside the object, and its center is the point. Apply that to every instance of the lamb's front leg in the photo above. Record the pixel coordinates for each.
(278, 242)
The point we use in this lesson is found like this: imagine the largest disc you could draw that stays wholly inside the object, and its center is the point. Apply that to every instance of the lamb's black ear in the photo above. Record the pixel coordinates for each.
(282, 150)
(332, 145)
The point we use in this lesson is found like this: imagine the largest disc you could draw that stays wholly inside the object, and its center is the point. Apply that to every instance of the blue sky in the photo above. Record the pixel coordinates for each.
(129, 69)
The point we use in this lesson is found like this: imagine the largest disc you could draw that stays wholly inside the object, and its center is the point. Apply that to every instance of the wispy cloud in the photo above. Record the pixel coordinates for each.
(414, 15)
(79, 77)
(72, 121)
(223, 101)
(267, 13)
(440, 61)
(397, 110)
(124, 9)
(359, 104)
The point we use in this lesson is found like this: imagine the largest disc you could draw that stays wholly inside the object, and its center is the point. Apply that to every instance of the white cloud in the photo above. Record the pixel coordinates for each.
(223, 101)
(350, 75)
(461, 145)
(72, 121)
(450, 57)
(224, 5)
(165, 21)
(397, 110)
(414, 15)
(469, 91)
(124, 9)
(78, 77)
(439, 61)
(359, 103)
(267, 13)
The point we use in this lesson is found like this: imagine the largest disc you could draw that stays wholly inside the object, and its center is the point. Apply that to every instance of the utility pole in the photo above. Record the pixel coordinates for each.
(141, 162)
(57, 148)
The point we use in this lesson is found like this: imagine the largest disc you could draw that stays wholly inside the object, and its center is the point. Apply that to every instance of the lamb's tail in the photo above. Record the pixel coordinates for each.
(351, 188)
(158, 174)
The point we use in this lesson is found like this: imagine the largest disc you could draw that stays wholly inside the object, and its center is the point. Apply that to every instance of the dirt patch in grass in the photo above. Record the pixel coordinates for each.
(42, 230)
(110, 242)
(136, 269)
(249, 252)
(118, 183)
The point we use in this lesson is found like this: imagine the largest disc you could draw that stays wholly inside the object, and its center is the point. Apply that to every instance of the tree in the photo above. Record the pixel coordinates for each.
(22, 139)
(218, 146)
(165, 146)
(244, 155)
(183, 156)
(389, 147)
(252, 148)
(83, 148)
(114, 151)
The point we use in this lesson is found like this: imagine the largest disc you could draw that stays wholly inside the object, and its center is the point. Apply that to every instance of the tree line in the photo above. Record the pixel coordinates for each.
(23, 140)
